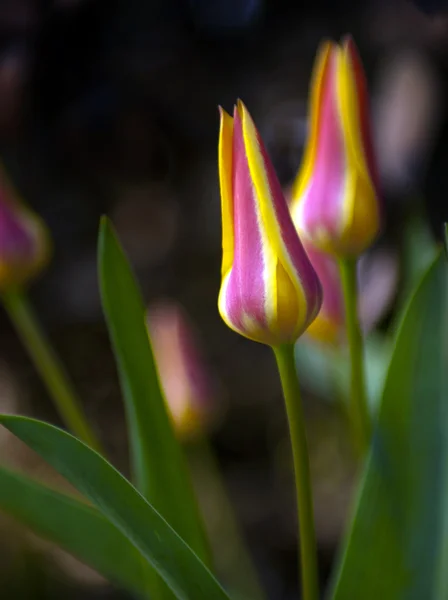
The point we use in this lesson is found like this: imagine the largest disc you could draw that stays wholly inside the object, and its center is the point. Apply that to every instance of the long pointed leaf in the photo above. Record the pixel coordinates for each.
(159, 465)
(74, 526)
(122, 505)
(396, 548)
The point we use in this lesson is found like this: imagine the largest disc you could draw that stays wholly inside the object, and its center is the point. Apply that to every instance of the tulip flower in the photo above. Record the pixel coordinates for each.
(187, 385)
(377, 279)
(270, 293)
(335, 196)
(329, 325)
(24, 242)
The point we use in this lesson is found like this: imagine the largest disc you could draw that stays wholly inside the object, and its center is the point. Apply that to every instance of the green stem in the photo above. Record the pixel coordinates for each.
(48, 365)
(358, 407)
(242, 573)
(291, 391)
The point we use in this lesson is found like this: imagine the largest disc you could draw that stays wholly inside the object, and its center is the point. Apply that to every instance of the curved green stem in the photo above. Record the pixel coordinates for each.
(48, 365)
(291, 391)
(358, 407)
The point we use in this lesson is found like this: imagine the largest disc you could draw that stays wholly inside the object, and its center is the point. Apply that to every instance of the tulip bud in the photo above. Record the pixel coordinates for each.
(24, 240)
(269, 293)
(329, 325)
(188, 389)
(335, 196)
(377, 277)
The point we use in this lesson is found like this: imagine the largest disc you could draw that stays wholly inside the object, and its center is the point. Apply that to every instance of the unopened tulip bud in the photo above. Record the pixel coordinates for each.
(24, 241)
(377, 283)
(190, 394)
(269, 293)
(329, 325)
(335, 200)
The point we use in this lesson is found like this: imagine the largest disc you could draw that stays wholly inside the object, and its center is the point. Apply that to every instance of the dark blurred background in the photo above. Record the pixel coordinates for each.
(110, 106)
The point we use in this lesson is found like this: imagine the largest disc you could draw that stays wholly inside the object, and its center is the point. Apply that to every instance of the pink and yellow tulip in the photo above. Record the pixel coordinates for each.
(329, 325)
(335, 203)
(269, 293)
(24, 241)
(190, 393)
(377, 286)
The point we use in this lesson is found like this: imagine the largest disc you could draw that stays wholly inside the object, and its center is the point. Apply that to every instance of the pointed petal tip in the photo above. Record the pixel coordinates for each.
(349, 46)
(347, 39)
(321, 68)
(244, 115)
(241, 109)
(238, 112)
(325, 48)
(325, 51)
(223, 114)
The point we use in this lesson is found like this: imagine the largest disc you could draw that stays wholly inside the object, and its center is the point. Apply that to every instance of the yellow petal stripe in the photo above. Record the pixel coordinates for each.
(274, 248)
(317, 90)
(225, 162)
(360, 207)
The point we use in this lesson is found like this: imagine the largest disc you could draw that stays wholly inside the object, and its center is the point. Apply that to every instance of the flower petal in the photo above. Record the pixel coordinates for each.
(335, 196)
(328, 326)
(271, 292)
(319, 76)
(225, 151)
(320, 208)
(242, 298)
(293, 285)
(355, 72)
(24, 241)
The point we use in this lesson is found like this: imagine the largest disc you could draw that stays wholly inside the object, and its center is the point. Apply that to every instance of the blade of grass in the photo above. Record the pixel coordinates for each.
(396, 545)
(180, 568)
(159, 466)
(74, 526)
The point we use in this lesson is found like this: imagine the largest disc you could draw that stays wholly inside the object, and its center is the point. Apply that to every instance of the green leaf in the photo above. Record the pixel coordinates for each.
(122, 505)
(74, 526)
(397, 543)
(419, 252)
(160, 468)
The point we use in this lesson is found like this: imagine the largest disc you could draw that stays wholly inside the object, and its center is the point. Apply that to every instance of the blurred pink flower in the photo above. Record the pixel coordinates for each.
(335, 199)
(377, 281)
(189, 390)
(328, 326)
(24, 240)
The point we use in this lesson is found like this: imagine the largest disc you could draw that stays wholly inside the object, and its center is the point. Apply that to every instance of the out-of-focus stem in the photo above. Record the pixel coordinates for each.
(49, 366)
(358, 406)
